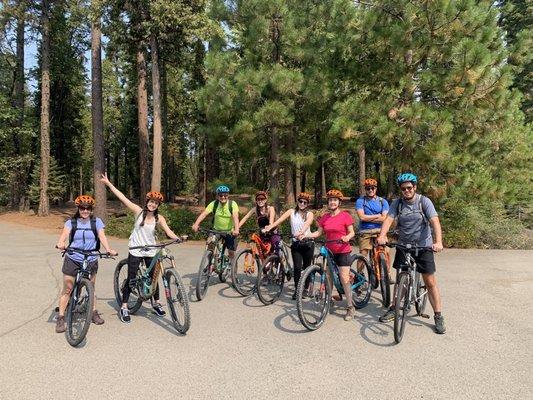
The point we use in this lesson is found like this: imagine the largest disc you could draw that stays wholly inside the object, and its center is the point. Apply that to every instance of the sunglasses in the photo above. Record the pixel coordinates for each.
(222, 195)
(407, 188)
(260, 199)
(370, 188)
(303, 202)
(85, 208)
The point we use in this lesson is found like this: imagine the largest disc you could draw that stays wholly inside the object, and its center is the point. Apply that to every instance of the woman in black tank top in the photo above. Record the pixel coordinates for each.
(265, 216)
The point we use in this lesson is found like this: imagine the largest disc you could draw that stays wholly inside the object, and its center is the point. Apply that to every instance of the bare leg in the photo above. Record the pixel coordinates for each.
(433, 291)
(68, 284)
(344, 275)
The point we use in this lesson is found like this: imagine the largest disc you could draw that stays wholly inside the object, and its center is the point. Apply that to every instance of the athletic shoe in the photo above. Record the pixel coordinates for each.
(125, 315)
(440, 328)
(388, 316)
(60, 324)
(158, 308)
(96, 318)
(350, 313)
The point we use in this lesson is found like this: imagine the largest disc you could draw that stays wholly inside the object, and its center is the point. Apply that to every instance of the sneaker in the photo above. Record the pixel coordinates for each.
(388, 316)
(350, 313)
(60, 324)
(125, 315)
(96, 318)
(158, 308)
(440, 328)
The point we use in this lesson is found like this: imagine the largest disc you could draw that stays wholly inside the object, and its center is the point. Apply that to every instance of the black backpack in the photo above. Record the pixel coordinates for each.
(74, 223)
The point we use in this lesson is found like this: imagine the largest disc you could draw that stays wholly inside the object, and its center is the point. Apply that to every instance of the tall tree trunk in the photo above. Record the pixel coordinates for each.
(97, 114)
(362, 172)
(318, 187)
(44, 205)
(274, 167)
(142, 117)
(18, 186)
(304, 180)
(288, 173)
(158, 135)
(298, 178)
(168, 164)
(202, 170)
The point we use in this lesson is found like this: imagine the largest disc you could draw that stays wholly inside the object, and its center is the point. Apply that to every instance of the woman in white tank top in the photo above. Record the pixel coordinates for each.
(146, 219)
(300, 220)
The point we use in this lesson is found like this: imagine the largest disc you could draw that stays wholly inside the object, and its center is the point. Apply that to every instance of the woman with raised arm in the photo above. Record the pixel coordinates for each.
(143, 234)
(300, 219)
(84, 231)
(264, 215)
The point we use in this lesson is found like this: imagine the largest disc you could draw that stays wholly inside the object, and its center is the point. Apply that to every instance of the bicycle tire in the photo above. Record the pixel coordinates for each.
(79, 309)
(401, 306)
(244, 282)
(134, 302)
(384, 282)
(177, 300)
(361, 294)
(270, 280)
(204, 273)
(314, 294)
(420, 302)
(223, 276)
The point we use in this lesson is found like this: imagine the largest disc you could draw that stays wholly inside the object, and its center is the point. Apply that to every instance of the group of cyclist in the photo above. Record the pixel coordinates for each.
(415, 215)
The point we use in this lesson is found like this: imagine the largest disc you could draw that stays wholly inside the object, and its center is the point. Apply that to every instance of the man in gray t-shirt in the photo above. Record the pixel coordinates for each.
(416, 216)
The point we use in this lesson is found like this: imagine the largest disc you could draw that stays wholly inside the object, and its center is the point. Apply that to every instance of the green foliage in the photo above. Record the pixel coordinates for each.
(56, 183)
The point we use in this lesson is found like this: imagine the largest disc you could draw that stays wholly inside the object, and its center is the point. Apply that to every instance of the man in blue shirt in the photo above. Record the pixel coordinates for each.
(372, 211)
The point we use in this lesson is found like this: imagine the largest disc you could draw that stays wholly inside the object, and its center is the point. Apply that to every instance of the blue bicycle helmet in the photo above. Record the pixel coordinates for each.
(406, 177)
(222, 189)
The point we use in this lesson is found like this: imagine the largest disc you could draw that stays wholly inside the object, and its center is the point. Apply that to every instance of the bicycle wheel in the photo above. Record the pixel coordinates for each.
(421, 296)
(313, 299)
(223, 276)
(384, 281)
(79, 312)
(401, 306)
(244, 272)
(374, 278)
(177, 301)
(204, 273)
(270, 280)
(119, 280)
(361, 284)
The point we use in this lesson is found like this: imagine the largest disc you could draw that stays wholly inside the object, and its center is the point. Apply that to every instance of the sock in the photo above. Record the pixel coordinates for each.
(437, 314)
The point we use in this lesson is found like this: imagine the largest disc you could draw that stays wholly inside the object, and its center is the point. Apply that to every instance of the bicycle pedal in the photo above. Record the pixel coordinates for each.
(424, 316)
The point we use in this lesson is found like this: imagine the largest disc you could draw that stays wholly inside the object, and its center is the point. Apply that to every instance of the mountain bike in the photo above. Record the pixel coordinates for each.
(80, 306)
(313, 295)
(143, 287)
(215, 260)
(271, 276)
(379, 260)
(247, 262)
(410, 289)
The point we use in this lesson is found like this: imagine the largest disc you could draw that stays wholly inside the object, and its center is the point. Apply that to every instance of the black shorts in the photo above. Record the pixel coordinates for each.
(71, 267)
(230, 241)
(425, 261)
(342, 259)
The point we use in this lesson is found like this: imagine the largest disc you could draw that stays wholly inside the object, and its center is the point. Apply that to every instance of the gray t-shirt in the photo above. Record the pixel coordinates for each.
(412, 227)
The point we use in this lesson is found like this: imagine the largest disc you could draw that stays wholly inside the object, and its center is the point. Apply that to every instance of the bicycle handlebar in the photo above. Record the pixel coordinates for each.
(409, 247)
(87, 253)
(214, 232)
(160, 245)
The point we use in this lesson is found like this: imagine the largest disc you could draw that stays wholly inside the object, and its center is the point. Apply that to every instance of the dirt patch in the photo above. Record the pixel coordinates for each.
(54, 222)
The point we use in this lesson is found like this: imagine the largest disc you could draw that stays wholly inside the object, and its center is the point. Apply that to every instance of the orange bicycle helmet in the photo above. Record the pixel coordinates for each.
(154, 196)
(370, 182)
(261, 193)
(334, 193)
(84, 200)
(304, 196)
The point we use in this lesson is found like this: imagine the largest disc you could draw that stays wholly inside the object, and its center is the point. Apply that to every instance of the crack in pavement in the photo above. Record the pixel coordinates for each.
(51, 269)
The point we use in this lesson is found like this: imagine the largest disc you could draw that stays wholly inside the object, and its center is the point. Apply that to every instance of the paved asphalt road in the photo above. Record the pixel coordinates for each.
(238, 348)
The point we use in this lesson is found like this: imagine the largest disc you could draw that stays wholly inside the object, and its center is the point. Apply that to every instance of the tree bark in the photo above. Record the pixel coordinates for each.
(202, 170)
(362, 172)
(97, 116)
(44, 205)
(142, 117)
(158, 135)
(274, 166)
(298, 178)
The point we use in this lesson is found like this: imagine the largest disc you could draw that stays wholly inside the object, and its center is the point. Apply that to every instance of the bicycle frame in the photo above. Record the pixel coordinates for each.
(334, 271)
(414, 278)
(219, 250)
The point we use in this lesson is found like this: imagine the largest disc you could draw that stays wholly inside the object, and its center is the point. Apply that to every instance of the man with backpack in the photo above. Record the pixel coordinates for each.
(416, 217)
(225, 218)
(372, 211)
